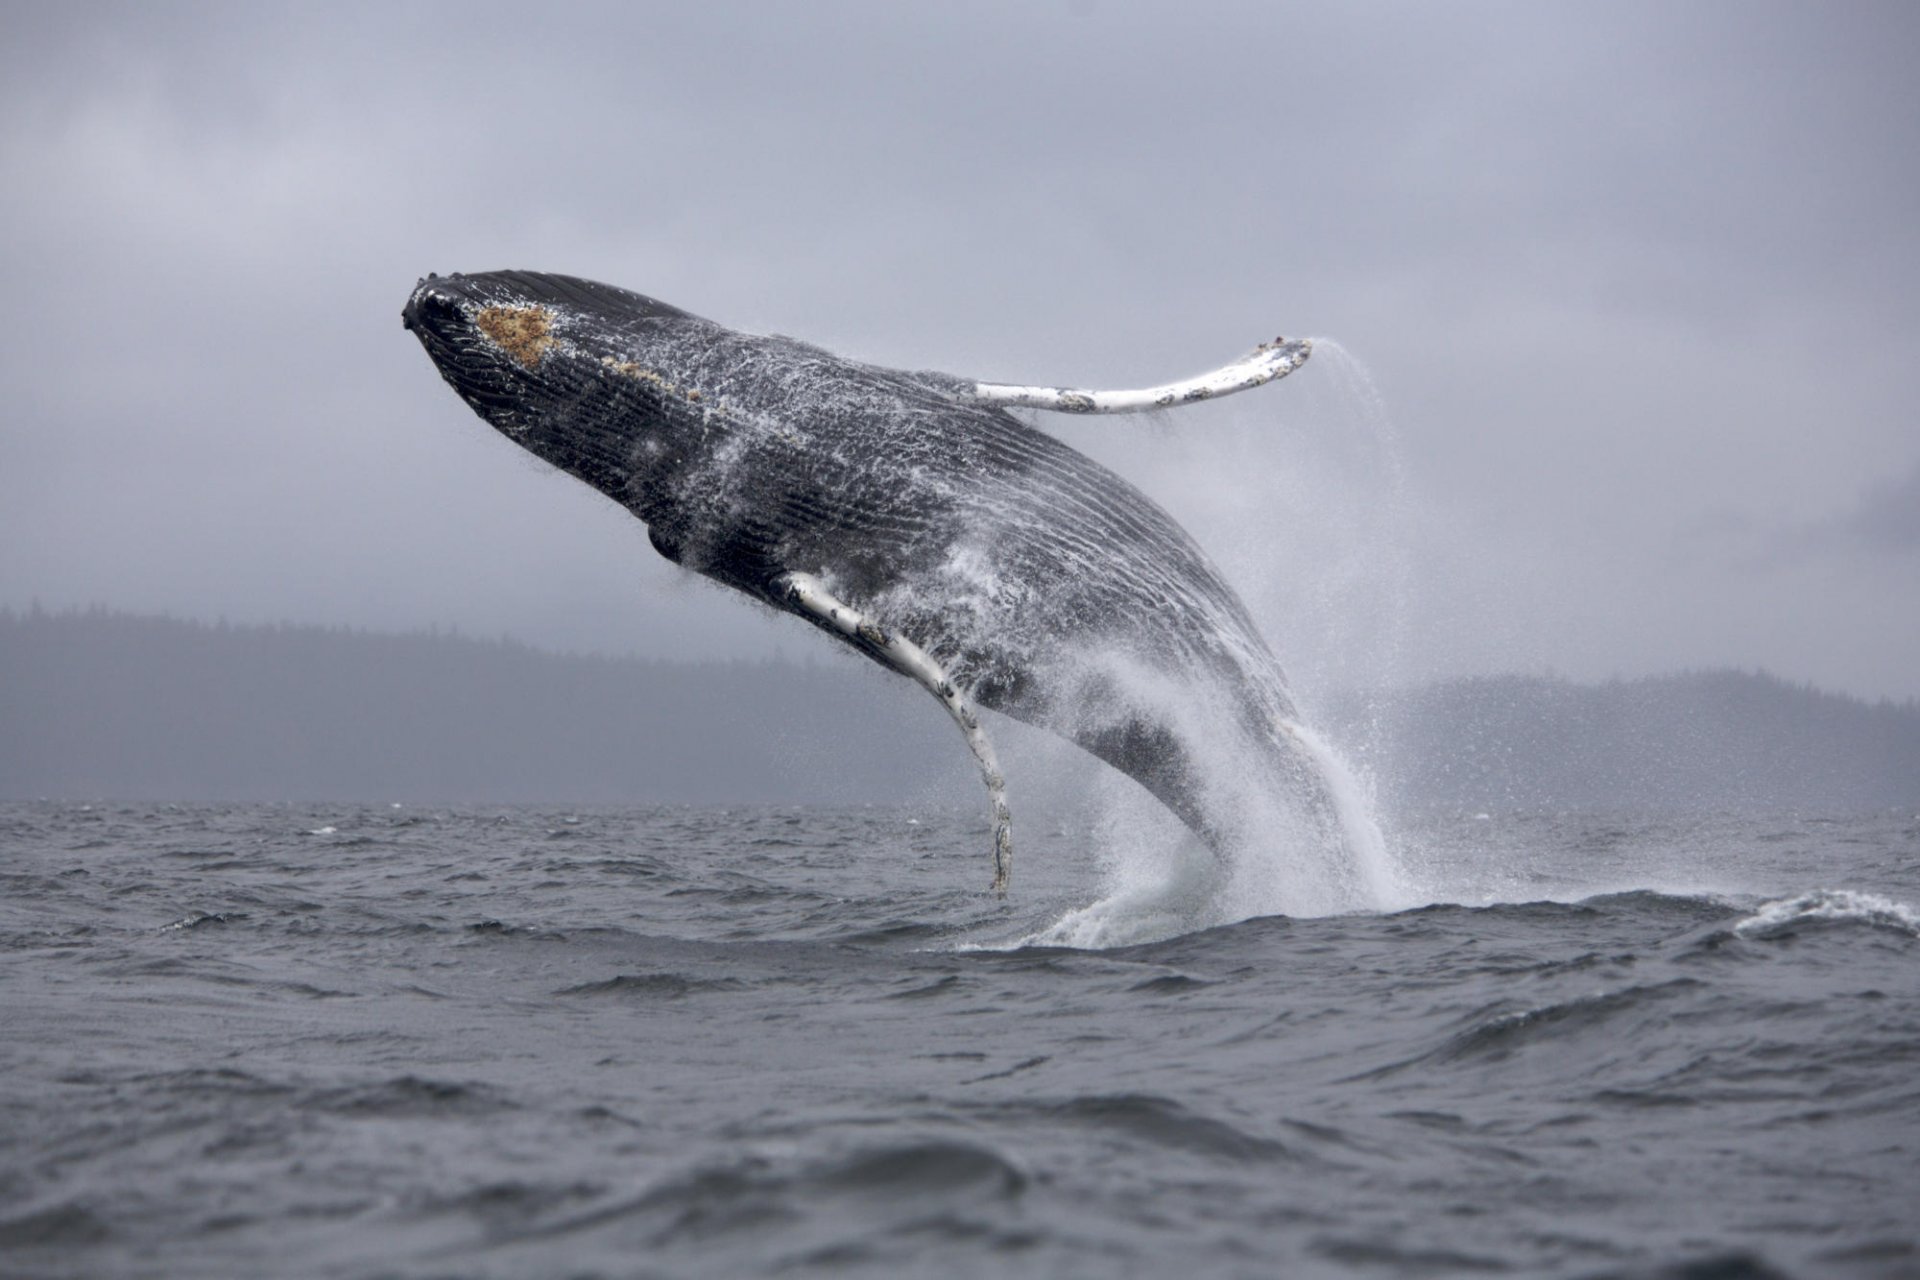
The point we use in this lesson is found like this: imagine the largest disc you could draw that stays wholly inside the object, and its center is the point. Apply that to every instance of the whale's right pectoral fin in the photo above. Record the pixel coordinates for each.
(1265, 363)
(809, 596)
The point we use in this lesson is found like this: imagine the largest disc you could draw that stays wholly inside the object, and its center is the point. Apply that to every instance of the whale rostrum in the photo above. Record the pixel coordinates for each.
(910, 517)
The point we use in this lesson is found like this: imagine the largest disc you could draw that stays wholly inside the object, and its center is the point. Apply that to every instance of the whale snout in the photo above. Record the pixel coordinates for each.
(461, 315)
(440, 297)
(431, 301)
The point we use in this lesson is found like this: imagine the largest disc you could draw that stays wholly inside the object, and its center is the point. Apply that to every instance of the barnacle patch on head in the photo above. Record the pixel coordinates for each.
(524, 333)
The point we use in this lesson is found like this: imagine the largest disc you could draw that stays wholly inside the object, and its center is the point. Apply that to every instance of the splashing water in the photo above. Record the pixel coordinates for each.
(1380, 529)
(1373, 871)
(1314, 537)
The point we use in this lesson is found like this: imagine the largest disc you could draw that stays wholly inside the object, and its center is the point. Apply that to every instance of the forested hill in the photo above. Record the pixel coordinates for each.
(97, 704)
(1708, 740)
(152, 708)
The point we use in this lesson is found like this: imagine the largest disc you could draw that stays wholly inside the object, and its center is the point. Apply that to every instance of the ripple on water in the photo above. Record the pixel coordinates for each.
(1142, 1117)
(653, 986)
(411, 1095)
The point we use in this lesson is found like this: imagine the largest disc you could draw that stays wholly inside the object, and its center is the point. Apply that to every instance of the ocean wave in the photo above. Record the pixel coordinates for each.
(1841, 906)
(62, 1225)
(1144, 1117)
(411, 1095)
(1497, 1034)
(1501, 1035)
(927, 1167)
(852, 1198)
(657, 986)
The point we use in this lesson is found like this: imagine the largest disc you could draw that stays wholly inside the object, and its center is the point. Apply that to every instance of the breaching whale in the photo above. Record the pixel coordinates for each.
(910, 516)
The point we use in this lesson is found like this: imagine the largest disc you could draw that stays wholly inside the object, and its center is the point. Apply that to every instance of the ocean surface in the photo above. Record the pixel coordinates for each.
(387, 1041)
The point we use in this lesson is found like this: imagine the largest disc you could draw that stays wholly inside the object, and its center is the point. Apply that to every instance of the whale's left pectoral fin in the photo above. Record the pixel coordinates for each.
(806, 594)
(1264, 364)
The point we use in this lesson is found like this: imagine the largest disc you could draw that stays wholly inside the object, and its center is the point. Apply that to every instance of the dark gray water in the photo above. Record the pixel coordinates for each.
(246, 1041)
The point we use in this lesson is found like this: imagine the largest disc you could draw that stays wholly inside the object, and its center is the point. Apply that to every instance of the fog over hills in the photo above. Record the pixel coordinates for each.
(1699, 741)
(104, 705)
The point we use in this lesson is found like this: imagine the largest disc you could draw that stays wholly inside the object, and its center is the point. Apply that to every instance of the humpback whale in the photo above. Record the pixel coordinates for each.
(911, 517)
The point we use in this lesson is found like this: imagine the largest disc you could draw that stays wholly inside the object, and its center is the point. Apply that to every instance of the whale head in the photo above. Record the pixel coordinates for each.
(548, 360)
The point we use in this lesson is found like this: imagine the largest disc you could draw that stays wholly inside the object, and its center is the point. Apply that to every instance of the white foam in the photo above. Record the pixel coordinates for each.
(1150, 898)
(1830, 904)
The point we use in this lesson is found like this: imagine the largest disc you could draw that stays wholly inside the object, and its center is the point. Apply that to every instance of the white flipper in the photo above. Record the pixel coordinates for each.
(811, 597)
(1262, 365)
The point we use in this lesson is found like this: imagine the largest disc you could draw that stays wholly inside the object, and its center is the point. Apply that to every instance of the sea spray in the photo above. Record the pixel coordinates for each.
(1159, 881)
(1304, 504)
(1382, 547)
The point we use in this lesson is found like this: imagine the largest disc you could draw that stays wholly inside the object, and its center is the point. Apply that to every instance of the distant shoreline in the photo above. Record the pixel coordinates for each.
(95, 703)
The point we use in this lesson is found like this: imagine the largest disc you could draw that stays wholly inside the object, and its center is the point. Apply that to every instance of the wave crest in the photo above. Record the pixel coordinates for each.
(1840, 905)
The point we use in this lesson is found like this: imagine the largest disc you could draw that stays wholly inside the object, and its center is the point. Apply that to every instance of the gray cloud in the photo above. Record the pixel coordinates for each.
(1622, 275)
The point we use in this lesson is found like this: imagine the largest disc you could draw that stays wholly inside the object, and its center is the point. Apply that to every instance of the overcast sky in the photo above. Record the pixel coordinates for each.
(1625, 301)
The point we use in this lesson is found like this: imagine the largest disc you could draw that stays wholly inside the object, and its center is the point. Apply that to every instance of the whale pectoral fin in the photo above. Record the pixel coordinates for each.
(1264, 364)
(807, 595)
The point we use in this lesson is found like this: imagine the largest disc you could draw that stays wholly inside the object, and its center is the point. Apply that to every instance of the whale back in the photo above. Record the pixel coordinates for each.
(1040, 580)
